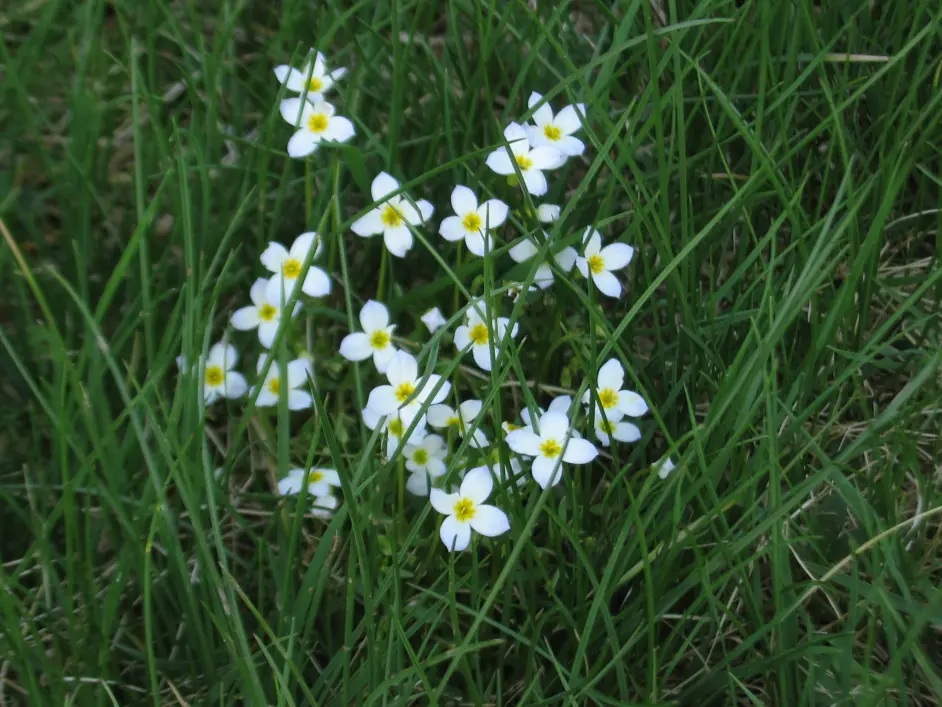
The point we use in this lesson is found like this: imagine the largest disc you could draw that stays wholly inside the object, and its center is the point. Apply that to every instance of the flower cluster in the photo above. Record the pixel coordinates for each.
(442, 439)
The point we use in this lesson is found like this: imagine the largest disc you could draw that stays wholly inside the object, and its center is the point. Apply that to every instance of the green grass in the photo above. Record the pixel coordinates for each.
(777, 167)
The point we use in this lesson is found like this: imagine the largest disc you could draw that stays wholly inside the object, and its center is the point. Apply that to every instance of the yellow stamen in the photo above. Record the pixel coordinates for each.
(404, 391)
(315, 84)
(214, 376)
(274, 385)
(478, 334)
(464, 510)
(379, 339)
(523, 162)
(471, 222)
(315, 477)
(396, 428)
(552, 132)
(550, 448)
(608, 398)
(607, 426)
(317, 123)
(267, 312)
(291, 268)
(420, 457)
(390, 217)
(596, 263)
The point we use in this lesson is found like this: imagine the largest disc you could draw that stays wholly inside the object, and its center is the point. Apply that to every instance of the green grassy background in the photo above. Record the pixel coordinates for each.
(777, 166)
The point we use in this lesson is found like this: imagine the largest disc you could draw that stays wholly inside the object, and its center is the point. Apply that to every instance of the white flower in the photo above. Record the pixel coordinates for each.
(553, 446)
(315, 123)
(476, 335)
(664, 467)
(318, 481)
(427, 456)
(599, 262)
(392, 216)
(613, 400)
(375, 340)
(543, 278)
(556, 131)
(471, 222)
(530, 162)
(443, 416)
(396, 424)
(322, 506)
(298, 372)
(286, 268)
(310, 81)
(219, 380)
(466, 510)
(433, 320)
(547, 213)
(263, 314)
(606, 429)
(406, 384)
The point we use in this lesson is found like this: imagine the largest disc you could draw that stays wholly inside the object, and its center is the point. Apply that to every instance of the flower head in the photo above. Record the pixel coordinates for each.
(297, 374)
(318, 482)
(531, 161)
(312, 82)
(375, 340)
(396, 426)
(471, 221)
(406, 385)
(392, 216)
(219, 380)
(552, 446)
(615, 402)
(526, 249)
(476, 336)
(315, 123)
(462, 419)
(556, 131)
(286, 265)
(466, 511)
(428, 456)
(263, 314)
(433, 320)
(598, 262)
(664, 467)
(323, 506)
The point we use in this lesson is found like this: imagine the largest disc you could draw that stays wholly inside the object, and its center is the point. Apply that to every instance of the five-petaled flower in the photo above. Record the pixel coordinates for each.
(552, 446)
(315, 123)
(311, 81)
(531, 161)
(598, 262)
(297, 374)
(286, 265)
(375, 340)
(556, 131)
(263, 314)
(466, 511)
(392, 216)
(473, 222)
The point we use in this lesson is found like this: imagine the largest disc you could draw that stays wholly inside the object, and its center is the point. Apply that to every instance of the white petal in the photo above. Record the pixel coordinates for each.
(369, 225)
(617, 255)
(402, 369)
(433, 382)
(524, 441)
(434, 445)
(316, 283)
(356, 347)
(593, 242)
(568, 119)
(579, 451)
(370, 418)
(284, 73)
(561, 404)
(477, 485)
(463, 201)
(470, 409)
(382, 186)
(292, 483)
(535, 182)
(235, 385)
(418, 483)
(490, 521)
(611, 375)
(632, 404)
(455, 534)
(436, 467)
(547, 158)
(257, 292)
(543, 471)
(398, 241)
(439, 415)
(295, 111)
(475, 243)
(547, 213)
(443, 502)
(582, 266)
(338, 74)
(425, 209)
(566, 258)
(482, 356)
(223, 355)
(433, 319)
(570, 146)
(245, 318)
(299, 372)
(302, 246)
(451, 229)
(500, 162)
(273, 256)
(554, 425)
(607, 284)
(302, 143)
(493, 213)
(543, 114)
(266, 399)
(543, 277)
(626, 432)
(339, 129)
(601, 435)
(299, 400)
(279, 289)
(479, 440)
(374, 316)
(382, 400)
(382, 357)
(523, 251)
(462, 337)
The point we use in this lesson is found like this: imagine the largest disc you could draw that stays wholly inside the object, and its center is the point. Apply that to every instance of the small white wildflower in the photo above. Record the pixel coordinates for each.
(286, 265)
(466, 511)
(599, 262)
(614, 401)
(297, 375)
(310, 81)
(547, 213)
(556, 131)
(433, 320)
(219, 380)
(664, 467)
(263, 314)
(442, 416)
(315, 123)
(406, 384)
(606, 430)
(375, 340)
(551, 447)
(472, 222)
(392, 216)
(527, 249)
(318, 481)
(425, 462)
(475, 335)
(396, 424)
(530, 161)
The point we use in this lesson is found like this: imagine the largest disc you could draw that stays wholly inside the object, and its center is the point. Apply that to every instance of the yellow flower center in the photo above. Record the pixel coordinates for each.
(453, 422)
(552, 132)
(471, 222)
(379, 339)
(274, 385)
(390, 217)
(267, 312)
(596, 263)
(420, 457)
(608, 398)
(478, 334)
(396, 428)
(607, 426)
(317, 123)
(464, 510)
(315, 477)
(510, 427)
(404, 391)
(550, 448)
(291, 268)
(523, 162)
(214, 376)
(315, 84)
